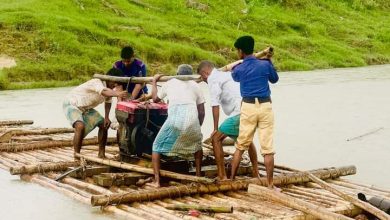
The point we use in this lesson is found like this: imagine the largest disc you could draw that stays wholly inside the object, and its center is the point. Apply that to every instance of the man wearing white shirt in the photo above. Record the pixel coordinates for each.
(224, 92)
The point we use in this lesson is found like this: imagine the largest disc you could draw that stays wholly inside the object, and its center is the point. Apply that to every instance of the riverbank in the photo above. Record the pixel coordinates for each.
(61, 43)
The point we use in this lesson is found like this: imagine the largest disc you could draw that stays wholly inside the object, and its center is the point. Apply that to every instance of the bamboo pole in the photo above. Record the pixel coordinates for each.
(292, 202)
(146, 79)
(185, 190)
(16, 122)
(264, 54)
(42, 167)
(140, 169)
(202, 208)
(371, 187)
(49, 144)
(363, 205)
(18, 132)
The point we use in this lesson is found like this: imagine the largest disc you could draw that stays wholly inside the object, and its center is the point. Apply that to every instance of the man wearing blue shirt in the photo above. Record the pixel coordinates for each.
(132, 67)
(256, 109)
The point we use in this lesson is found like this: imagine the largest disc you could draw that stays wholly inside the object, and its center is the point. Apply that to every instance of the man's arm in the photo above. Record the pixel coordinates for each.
(154, 88)
(111, 93)
(138, 87)
(136, 90)
(107, 108)
(215, 110)
(201, 113)
(273, 76)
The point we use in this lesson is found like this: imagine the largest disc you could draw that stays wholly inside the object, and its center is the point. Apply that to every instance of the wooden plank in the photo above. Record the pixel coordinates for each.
(118, 179)
(89, 171)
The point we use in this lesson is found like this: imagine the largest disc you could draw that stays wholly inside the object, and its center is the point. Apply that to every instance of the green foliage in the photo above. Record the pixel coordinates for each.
(59, 43)
(4, 82)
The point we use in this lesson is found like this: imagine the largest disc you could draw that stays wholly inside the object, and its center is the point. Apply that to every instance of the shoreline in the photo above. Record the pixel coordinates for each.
(60, 84)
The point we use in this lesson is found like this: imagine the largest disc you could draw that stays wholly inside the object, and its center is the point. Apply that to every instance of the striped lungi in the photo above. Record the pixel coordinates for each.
(180, 135)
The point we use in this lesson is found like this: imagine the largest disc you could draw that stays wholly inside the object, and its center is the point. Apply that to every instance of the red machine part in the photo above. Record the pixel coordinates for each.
(132, 106)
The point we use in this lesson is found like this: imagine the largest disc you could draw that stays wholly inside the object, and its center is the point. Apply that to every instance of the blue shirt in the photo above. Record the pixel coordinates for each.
(253, 75)
(137, 68)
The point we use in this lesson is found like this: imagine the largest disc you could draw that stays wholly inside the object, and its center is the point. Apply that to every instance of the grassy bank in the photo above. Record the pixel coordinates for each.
(60, 43)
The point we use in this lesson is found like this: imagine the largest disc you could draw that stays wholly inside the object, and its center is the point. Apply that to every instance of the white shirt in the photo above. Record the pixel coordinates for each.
(181, 92)
(88, 95)
(224, 92)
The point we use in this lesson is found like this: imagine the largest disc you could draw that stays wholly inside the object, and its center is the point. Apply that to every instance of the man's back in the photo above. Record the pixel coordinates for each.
(253, 75)
(224, 92)
(88, 95)
(181, 92)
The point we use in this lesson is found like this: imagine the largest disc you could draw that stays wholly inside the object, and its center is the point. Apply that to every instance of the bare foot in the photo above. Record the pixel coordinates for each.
(154, 184)
(221, 180)
(256, 175)
(275, 188)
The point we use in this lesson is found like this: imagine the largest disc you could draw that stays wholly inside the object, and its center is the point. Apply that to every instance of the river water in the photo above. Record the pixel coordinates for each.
(316, 113)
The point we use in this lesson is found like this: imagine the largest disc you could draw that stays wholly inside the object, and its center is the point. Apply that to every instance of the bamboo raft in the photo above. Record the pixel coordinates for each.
(43, 155)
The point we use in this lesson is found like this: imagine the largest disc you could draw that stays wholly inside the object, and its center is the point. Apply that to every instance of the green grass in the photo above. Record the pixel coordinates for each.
(60, 43)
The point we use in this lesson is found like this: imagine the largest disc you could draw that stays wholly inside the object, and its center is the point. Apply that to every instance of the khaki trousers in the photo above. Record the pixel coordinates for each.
(260, 116)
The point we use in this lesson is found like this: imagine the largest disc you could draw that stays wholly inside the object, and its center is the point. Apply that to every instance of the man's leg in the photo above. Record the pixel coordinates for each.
(269, 168)
(79, 129)
(248, 123)
(266, 128)
(236, 162)
(102, 138)
(253, 157)
(217, 139)
(156, 168)
(198, 161)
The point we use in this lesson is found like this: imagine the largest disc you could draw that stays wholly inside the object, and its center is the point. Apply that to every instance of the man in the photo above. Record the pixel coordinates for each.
(132, 67)
(224, 92)
(79, 109)
(256, 110)
(180, 135)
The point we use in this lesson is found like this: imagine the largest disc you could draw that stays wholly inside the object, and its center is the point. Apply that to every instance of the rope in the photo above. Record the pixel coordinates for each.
(128, 83)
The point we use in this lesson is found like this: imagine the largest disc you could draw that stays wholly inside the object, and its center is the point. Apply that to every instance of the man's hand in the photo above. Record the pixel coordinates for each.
(121, 94)
(212, 133)
(157, 77)
(267, 53)
(107, 123)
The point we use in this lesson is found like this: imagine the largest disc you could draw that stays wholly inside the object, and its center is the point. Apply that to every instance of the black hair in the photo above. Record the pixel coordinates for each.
(114, 72)
(203, 64)
(246, 44)
(127, 52)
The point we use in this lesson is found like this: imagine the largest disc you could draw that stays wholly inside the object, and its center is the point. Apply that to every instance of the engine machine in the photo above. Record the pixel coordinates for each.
(139, 124)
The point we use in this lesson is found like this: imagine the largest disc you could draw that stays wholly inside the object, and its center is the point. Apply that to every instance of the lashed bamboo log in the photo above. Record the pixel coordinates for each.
(363, 205)
(292, 202)
(60, 188)
(42, 167)
(16, 122)
(140, 169)
(284, 168)
(146, 79)
(202, 208)
(49, 144)
(18, 132)
(185, 190)
(30, 139)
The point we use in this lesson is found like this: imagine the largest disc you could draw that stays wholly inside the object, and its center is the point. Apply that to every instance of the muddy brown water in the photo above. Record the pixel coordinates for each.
(316, 112)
